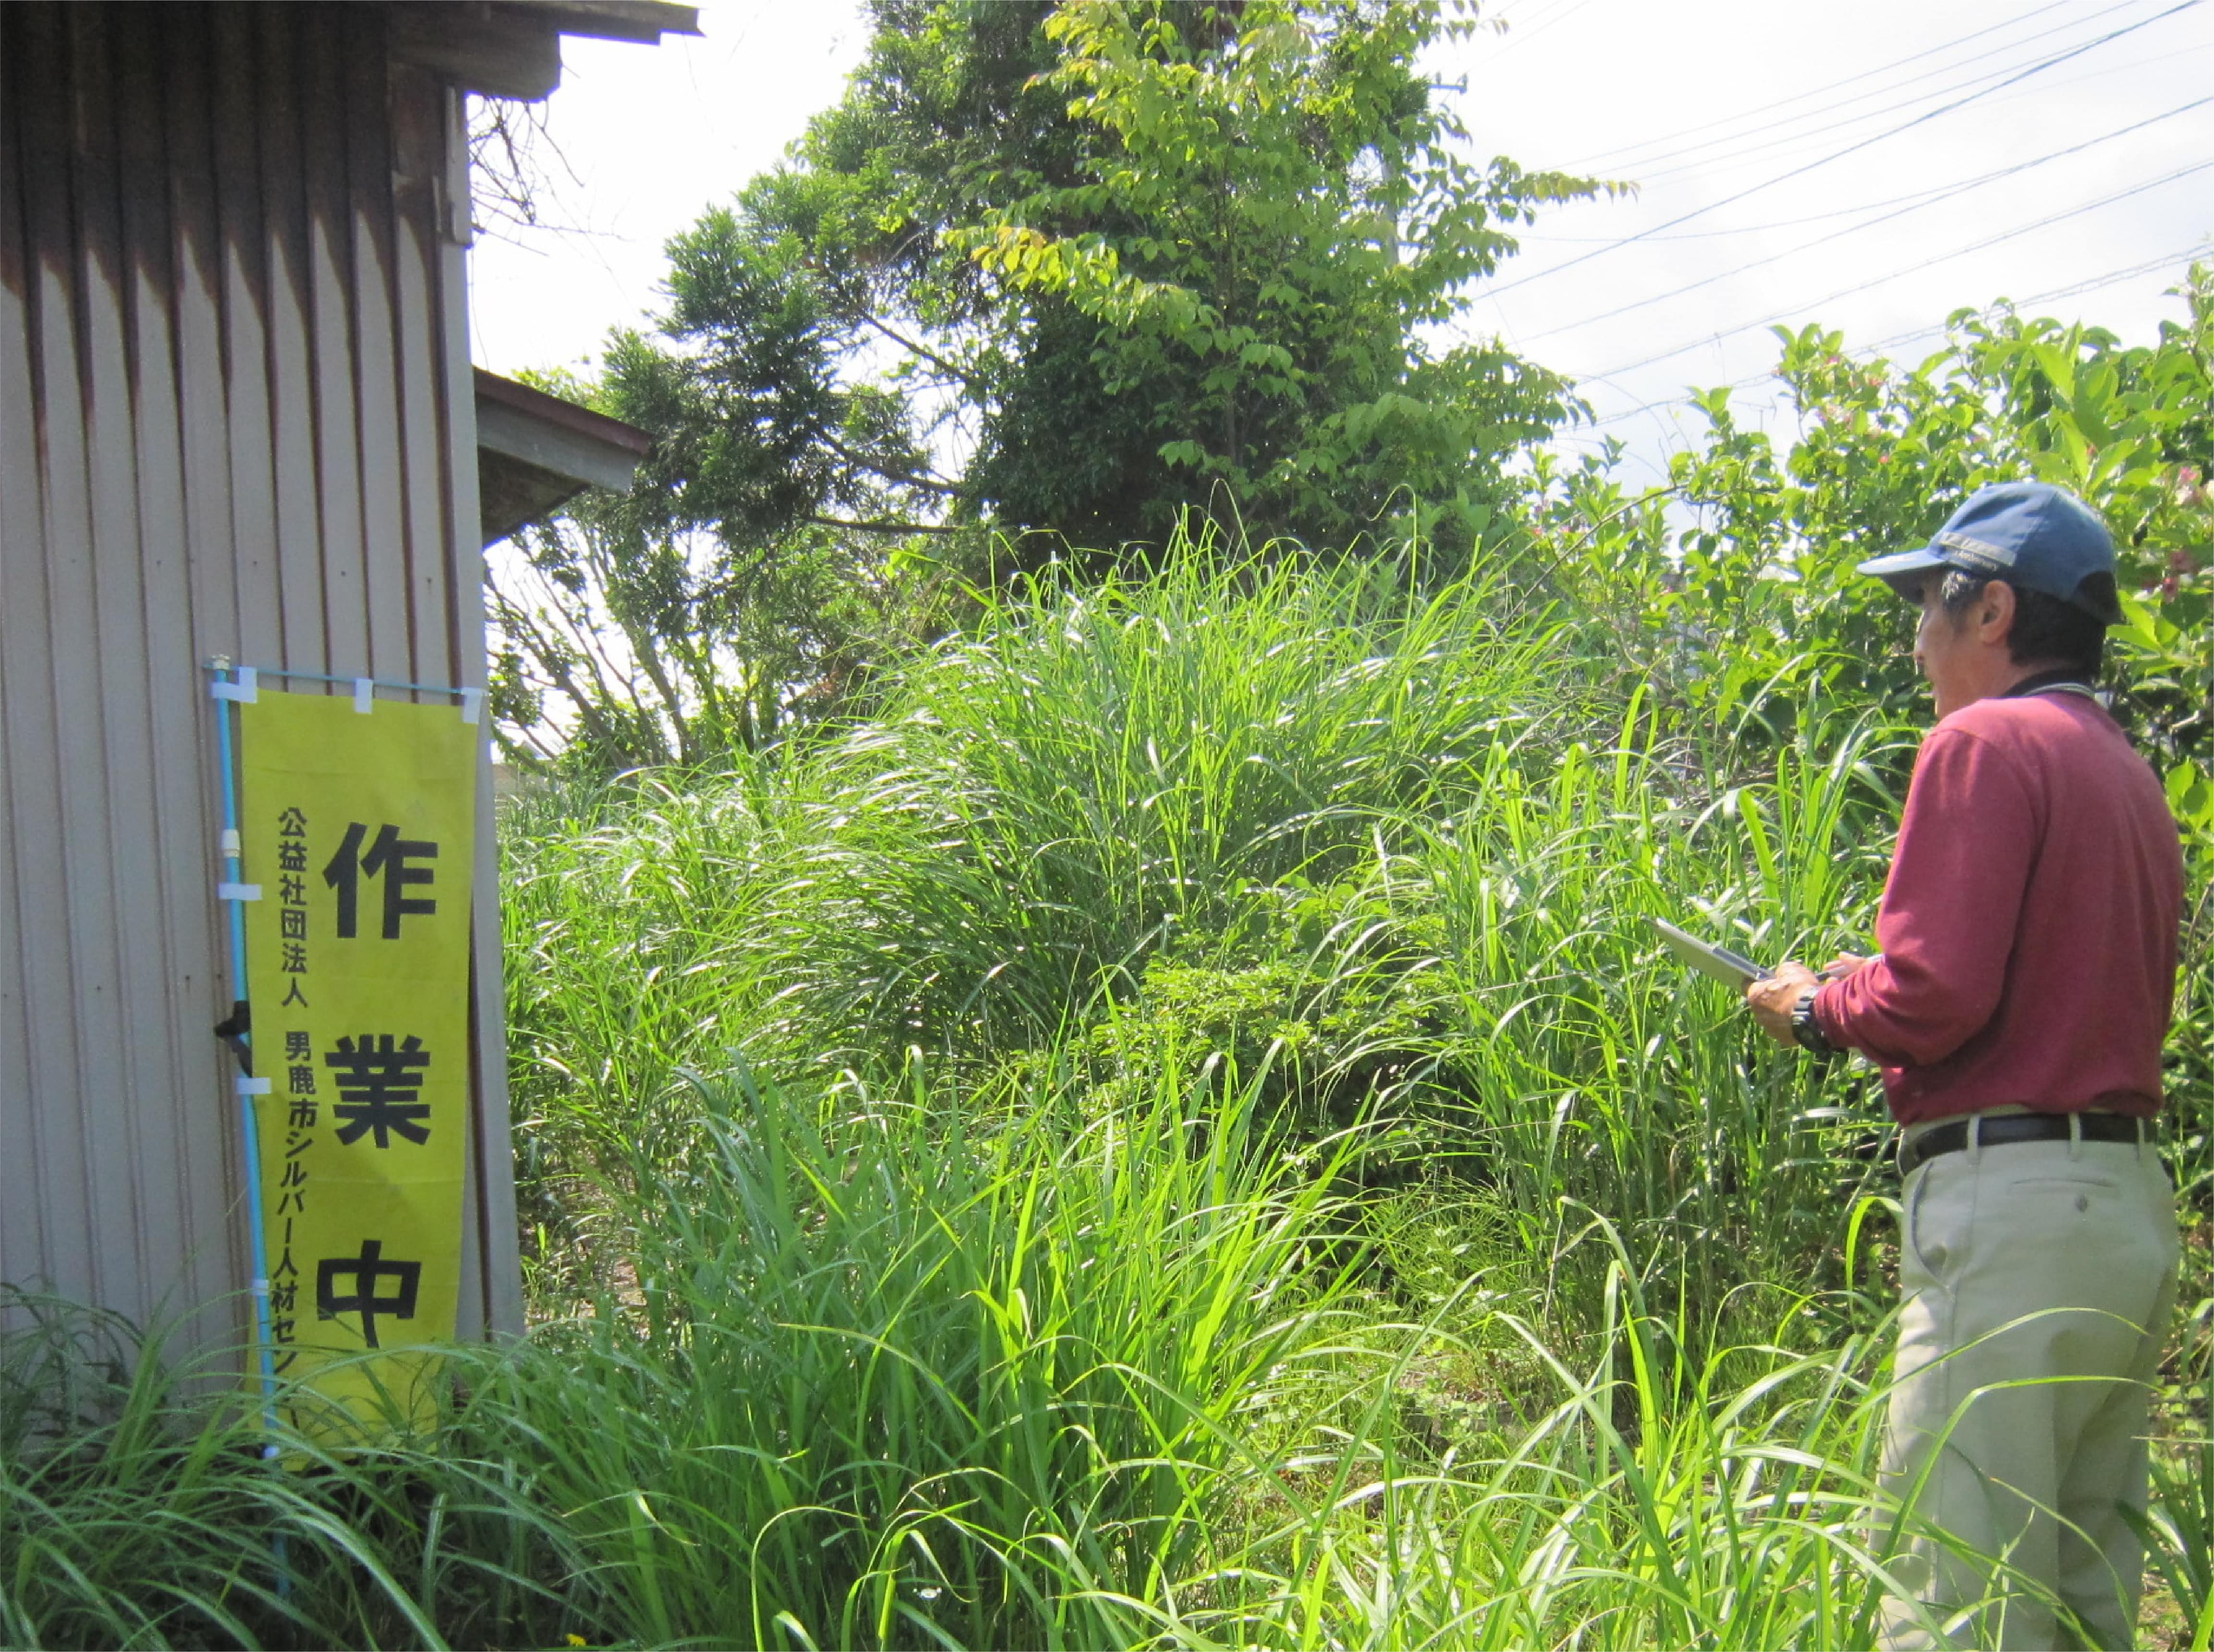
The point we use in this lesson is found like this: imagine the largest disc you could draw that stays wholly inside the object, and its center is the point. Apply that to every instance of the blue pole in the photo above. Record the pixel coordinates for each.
(249, 1122)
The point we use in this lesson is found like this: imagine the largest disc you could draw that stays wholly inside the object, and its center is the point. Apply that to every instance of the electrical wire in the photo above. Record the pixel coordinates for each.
(1557, 15)
(2073, 290)
(1767, 139)
(1606, 160)
(2180, 256)
(1801, 171)
(1942, 258)
(1947, 193)
(1770, 152)
(1749, 229)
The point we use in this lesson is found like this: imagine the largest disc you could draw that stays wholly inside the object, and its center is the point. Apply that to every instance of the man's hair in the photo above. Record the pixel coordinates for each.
(2044, 627)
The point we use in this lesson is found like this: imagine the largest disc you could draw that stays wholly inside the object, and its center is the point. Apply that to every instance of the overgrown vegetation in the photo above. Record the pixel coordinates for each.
(1132, 1104)
(1048, 277)
(1172, 1133)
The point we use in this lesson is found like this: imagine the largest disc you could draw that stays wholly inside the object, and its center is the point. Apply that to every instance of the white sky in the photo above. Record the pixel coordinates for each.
(657, 135)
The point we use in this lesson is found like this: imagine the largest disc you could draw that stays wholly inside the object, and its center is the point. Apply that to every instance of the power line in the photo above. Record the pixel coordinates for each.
(1770, 153)
(2180, 256)
(1752, 228)
(2073, 290)
(1770, 139)
(1536, 28)
(1606, 160)
(1921, 119)
(1946, 194)
(2166, 260)
(1767, 137)
(1942, 258)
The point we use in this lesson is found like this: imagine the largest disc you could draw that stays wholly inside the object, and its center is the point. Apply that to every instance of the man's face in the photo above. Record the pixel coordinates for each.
(1964, 657)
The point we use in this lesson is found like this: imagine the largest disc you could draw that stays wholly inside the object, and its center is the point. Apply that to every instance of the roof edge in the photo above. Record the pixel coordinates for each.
(573, 417)
(512, 48)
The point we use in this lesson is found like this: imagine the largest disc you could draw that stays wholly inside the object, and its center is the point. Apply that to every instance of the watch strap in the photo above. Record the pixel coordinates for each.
(1807, 1027)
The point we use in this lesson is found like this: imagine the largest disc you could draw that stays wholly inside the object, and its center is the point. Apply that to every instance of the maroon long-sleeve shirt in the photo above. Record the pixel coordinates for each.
(2030, 925)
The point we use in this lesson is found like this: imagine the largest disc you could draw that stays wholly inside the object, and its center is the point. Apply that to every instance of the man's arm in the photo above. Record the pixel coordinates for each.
(1950, 910)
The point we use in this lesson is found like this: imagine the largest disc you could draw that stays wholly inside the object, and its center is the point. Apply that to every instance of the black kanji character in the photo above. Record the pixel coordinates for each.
(295, 1046)
(292, 823)
(292, 922)
(292, 892)
(295, 961)
(284, 1298)
(300, 1081)
(292, 855)
(302, 1116)
(388, 857)
(367, 1268)
(293, 995)
(378, 1085)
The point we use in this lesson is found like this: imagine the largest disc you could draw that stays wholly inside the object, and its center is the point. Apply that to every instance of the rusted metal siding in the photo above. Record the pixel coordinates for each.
(235, 420)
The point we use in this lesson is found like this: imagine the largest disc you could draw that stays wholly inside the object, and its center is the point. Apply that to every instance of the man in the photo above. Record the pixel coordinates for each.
(2029, 930)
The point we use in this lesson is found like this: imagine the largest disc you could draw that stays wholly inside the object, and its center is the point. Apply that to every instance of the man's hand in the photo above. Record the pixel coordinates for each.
(1771, 1000)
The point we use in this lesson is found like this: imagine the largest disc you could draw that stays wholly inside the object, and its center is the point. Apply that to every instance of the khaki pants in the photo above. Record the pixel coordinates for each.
(2049, 1434)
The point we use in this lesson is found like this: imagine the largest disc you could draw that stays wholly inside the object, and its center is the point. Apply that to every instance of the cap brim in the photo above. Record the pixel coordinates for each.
(1900, 562)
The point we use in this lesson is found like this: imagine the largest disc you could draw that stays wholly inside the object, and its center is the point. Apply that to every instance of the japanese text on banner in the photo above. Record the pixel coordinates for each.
(360, 830)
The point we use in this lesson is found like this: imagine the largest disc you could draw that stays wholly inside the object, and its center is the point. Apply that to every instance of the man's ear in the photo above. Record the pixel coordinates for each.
(1995, 611)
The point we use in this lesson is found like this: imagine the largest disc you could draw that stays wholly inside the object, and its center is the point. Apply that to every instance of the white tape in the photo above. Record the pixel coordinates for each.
(472, 704)
(238, 891)
(364, 694)
(252, 1087)
(247, 689)
(230, 842)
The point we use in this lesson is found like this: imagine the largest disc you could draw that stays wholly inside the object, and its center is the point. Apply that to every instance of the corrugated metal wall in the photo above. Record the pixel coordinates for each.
(235, 418)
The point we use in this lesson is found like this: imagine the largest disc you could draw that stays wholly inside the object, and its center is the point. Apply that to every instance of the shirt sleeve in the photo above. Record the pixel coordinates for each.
(1950, 910)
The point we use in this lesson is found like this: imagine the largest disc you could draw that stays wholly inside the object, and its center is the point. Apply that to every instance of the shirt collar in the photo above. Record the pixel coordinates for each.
(2063, 680)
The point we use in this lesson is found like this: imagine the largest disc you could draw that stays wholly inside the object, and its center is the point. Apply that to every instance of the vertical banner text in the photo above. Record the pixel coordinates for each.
(360, 830)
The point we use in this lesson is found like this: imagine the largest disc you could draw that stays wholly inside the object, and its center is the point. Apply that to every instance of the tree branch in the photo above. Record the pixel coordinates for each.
(903, 480)
(952, 369)
(881, 526)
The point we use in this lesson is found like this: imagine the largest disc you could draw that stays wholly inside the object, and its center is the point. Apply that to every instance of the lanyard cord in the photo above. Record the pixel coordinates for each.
(2063, 680)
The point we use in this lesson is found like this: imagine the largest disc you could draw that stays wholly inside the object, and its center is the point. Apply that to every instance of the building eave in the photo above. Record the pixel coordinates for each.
(535, 452)
(512, 48)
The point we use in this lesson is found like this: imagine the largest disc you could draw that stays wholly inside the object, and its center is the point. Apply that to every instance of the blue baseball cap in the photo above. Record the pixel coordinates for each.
(2032, 535)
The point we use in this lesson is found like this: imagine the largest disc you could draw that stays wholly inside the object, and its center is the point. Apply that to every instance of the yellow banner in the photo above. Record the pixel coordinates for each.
(359, 829)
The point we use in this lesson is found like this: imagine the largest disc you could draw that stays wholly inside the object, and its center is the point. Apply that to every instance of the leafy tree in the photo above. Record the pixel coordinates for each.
(1753, 602)
(1068, 268)
(1100, 261)
(1266, 213)
(623, 636)
(615, 648)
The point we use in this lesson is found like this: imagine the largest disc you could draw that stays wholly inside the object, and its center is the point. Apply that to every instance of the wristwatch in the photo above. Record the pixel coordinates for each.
(1807, 1030)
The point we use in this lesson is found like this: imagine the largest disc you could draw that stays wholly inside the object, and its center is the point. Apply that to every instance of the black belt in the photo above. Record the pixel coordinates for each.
(2019, 1127)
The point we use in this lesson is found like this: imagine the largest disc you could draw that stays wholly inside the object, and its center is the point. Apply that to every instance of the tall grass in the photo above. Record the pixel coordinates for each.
(911, 1372)
(1601, 1075)
(1228, 1167)
(928, 1370)
(1412, 846)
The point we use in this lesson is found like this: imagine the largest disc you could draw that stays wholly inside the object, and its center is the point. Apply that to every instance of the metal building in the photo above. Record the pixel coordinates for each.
(237, 420)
